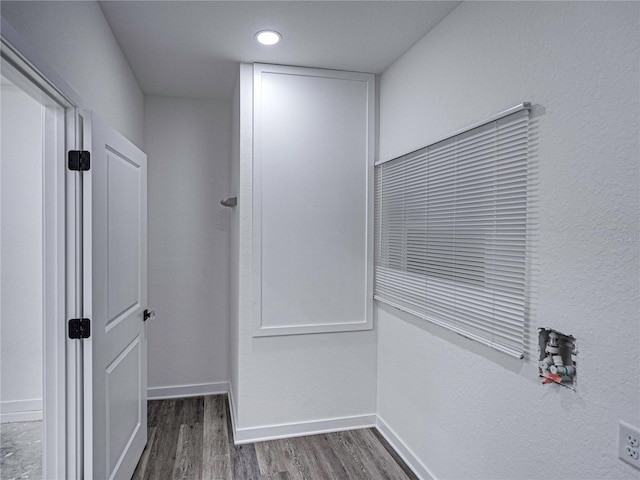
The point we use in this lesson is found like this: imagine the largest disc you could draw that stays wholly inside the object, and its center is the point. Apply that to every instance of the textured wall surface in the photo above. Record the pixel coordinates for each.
(188, 146)
(21, 255)
(468, 412)
(295, 378)
(76, 40)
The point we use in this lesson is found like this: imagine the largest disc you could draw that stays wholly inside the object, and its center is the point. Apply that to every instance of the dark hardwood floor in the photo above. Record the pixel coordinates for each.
(191, 438)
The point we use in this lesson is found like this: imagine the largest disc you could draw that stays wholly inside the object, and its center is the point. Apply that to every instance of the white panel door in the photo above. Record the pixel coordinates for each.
(115, 259)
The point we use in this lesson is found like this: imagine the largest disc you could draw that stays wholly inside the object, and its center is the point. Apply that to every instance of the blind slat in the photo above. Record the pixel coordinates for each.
(450, 233)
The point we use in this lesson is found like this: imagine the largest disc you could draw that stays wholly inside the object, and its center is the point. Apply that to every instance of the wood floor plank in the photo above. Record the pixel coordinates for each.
(365, 457)
(192, 411)
(243, 460)
(294, 459)
(215, 444)
(153, 409)
(383, 456)
(188, 463)
(349, 455)
(326, 463)
(141, 468)
(375, 456)
(163, 451)
(401, 463)
(216, 435)
(270, 457)
(308, 457)
(217, 467)
(277, 476)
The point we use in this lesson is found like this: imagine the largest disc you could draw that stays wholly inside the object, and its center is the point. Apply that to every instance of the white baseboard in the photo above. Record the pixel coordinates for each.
(404, 451)
(183, 391)
(232, 412)
(289, 430)
(21, 410)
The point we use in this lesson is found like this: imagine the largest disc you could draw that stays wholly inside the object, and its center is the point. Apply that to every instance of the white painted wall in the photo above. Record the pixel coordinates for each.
(76, 40)
(465, 411)
(188, 145)
(21, 256)
(297, 382)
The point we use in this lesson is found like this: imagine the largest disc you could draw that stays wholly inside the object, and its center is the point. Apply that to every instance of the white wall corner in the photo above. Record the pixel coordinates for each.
(183, 391)
(410, 458)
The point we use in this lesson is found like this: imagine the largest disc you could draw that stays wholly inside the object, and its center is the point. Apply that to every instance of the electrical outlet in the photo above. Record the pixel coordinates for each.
(629, 444)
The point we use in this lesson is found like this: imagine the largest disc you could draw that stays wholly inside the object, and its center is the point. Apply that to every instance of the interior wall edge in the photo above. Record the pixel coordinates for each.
(21, 410)
(189, 390)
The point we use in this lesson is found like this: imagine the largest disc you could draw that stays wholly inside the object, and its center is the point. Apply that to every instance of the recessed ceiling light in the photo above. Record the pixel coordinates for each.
(268, 37)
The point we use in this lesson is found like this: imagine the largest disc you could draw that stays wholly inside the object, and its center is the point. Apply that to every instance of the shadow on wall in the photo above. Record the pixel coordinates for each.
(512, 364)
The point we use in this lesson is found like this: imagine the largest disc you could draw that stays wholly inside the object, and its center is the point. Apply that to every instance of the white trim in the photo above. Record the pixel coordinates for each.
(300, 329)
(366, 323)
(30, 416)
(183, 391)
(300, 429)
(21, 410)
(232, 413)
(70, 415)
(13, 406)
(410, 458)
(54, 299)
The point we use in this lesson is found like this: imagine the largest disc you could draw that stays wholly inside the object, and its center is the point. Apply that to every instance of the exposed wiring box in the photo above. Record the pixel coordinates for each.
(558, 357)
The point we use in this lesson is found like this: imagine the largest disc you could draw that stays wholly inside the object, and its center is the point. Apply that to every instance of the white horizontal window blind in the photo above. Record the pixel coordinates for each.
(450, 234)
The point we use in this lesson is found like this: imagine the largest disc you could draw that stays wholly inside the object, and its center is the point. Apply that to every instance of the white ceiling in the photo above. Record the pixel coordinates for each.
(192, 48)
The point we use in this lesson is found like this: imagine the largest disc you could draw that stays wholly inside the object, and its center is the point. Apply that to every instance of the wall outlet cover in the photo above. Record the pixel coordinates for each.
(629, 444)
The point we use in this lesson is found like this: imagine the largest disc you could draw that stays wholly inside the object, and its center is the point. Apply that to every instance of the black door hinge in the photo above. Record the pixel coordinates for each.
(79, 160)
(79, 328)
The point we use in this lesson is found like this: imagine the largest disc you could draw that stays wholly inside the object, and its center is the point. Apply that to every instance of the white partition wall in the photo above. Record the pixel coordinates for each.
(312, 204)
(313, 381)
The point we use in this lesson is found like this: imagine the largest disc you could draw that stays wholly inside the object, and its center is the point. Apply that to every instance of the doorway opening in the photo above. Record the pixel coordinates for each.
(22, 273)
(37, 264)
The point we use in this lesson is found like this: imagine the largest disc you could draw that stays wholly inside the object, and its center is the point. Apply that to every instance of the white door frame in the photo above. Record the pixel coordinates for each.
(62, 132)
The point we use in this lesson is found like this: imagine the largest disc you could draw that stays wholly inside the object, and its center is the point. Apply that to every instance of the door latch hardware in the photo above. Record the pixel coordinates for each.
(79, 160)
(79, 328)
(146, 315)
